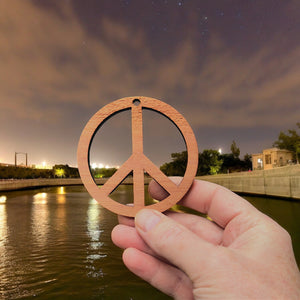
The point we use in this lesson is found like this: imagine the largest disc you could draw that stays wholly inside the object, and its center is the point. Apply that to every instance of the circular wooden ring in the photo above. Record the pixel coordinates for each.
(137, 161)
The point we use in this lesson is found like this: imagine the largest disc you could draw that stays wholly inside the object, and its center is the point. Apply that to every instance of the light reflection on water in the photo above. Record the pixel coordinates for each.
(3, 199)
(40, 216)
(55, 243)
(94, 232)
(40, 198)
(61, 190)
(3, 225)
(3, 238)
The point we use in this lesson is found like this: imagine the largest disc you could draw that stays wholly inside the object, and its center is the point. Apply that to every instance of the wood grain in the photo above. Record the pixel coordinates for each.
(137, 162)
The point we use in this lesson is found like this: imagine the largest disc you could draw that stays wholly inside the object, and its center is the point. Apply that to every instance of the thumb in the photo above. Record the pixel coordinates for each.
(174, 242)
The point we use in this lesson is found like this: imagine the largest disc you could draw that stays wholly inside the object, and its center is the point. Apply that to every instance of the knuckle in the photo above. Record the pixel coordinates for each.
(180, 286)
(285, 235)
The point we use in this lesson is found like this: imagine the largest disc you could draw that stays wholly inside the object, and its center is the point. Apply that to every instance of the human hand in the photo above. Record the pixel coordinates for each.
(242, 254)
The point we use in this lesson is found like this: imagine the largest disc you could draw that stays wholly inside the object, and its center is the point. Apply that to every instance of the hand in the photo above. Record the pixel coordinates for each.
(241, 254)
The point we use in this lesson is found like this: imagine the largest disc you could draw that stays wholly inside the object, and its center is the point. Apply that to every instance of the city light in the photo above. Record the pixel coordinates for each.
(220, 150)
(43, 165)
(95, 165)
(60, 173)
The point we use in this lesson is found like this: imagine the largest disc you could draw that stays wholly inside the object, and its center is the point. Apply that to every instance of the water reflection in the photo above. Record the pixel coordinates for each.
(61, 190)
(40, 198)
(93, 226)
(58, 211)
(3, 199)
(40, 219)
(3, 232)
(61, 195)
(94, 232)
(55, 244)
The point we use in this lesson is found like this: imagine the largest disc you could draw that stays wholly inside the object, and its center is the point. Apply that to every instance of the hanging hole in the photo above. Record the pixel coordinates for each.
(136, 102)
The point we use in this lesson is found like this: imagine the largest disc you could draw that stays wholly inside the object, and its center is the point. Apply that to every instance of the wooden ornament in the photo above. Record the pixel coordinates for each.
(137, 162)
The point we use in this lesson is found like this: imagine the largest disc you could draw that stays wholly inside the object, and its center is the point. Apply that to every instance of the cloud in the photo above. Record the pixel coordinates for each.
(49, 60)
(229, 90)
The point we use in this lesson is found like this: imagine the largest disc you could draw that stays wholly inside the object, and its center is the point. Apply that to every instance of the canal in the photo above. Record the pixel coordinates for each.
(55, 244)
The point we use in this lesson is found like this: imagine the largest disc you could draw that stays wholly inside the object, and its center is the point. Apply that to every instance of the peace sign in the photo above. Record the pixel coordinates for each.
(137, 162)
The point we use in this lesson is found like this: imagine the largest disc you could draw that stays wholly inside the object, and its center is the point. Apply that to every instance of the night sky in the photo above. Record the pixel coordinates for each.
(232, 68)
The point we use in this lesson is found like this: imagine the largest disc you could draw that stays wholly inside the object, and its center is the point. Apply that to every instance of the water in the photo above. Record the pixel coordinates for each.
(55, 244)
(284, 212)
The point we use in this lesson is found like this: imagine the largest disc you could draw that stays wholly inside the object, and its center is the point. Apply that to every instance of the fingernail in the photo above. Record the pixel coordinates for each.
(146, 219)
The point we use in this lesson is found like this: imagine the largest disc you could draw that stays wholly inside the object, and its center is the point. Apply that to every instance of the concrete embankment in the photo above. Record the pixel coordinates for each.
(22, 184)
(279, 182)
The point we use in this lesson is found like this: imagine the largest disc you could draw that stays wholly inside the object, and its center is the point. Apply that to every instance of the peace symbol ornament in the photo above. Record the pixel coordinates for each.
(137, 162)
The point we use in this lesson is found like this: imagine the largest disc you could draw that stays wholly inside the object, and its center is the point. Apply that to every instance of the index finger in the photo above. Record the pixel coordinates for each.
(219, 203)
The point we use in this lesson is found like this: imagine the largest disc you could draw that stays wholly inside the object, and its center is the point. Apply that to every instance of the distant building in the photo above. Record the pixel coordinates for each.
(5, 165)
(271, 158)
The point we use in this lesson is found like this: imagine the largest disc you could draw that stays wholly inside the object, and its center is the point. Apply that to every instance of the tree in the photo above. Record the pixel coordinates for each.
(103, 172)
(247, 161)
(59, 172)
(209, 162)
(235, 164)
(176, 167)
(65, 171)
(290, 141)
(235, 150)
(8, 172)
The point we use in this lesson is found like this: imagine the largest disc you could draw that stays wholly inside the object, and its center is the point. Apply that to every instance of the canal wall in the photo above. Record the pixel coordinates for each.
(22, 184)
(278, 182)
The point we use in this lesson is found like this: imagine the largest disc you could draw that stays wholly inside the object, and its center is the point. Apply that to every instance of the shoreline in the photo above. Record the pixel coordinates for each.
(281, 182)
(9, 185)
